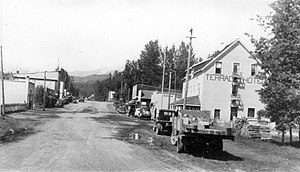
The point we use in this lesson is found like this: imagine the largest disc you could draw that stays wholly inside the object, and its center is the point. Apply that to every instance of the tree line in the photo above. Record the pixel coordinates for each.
(148, 69)
(278, 55)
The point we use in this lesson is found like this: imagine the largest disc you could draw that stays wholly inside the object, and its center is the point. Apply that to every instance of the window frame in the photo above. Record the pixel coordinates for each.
(219, 115)
(249, 111)
(238, 67)
(217, 69)
(255, 69)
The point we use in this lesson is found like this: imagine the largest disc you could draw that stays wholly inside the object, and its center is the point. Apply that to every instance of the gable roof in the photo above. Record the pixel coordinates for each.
(190, 101)
(204, 65)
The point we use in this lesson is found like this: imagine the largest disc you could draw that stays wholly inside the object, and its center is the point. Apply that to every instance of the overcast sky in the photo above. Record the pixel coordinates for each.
(93, 34)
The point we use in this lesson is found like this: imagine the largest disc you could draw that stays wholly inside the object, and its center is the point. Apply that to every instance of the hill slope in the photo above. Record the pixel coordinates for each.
(90, 78)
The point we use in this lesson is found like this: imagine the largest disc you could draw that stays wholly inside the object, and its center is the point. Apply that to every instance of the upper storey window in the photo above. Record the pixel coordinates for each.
(253, 69)
(236, 67)
(218, 67)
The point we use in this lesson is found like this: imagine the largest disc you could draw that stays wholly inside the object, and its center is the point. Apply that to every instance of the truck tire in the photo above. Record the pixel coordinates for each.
(174, 139)
(180, 145)
(158, 129)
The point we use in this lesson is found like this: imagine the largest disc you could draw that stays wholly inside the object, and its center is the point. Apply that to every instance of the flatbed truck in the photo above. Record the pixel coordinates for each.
(194, 131)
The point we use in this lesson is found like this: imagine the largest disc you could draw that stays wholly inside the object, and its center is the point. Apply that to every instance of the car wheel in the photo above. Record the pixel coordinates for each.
(174, 139)
(158, 129)
(180, 145)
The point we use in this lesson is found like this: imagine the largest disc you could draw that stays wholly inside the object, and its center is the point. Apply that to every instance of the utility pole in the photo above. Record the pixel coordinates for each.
(122, 88)
(2, 81)
(128, 94)
(163, 80)
(188, 69)
(45, 90)
(2, 78)
(170, 77)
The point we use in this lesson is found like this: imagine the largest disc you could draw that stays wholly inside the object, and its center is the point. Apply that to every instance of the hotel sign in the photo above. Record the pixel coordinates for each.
(220, 77)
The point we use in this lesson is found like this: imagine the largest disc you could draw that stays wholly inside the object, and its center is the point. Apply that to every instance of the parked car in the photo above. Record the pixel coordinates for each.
(81, 99)
(144, 112)
(59, 104)
(137, 112)
(122, 109)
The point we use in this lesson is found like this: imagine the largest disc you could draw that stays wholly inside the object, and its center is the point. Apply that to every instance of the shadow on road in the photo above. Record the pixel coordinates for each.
(295, 144)
(223, 156)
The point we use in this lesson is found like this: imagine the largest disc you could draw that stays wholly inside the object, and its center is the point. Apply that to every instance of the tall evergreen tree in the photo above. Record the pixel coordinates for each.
(149, 64)
(181, 59)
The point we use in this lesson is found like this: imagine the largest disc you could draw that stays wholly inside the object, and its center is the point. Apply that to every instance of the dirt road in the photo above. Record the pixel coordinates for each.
(91, 136)
(74, 141)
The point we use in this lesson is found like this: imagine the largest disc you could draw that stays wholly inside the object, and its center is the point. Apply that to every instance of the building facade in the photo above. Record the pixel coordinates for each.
(144, 93)
(227, 84)
(51, 79)
(111, 95)
(164, 101)
(18, 95)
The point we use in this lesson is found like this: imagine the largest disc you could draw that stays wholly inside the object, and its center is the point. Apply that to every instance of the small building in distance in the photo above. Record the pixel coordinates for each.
(150, 94)
(162, 101)
(226, 85)
(111, 95)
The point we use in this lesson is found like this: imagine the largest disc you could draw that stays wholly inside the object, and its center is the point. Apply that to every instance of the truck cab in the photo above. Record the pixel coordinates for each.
(163, 121)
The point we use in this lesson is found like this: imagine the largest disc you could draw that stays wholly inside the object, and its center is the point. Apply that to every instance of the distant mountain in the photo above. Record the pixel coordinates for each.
(90, 78)
(101, 71)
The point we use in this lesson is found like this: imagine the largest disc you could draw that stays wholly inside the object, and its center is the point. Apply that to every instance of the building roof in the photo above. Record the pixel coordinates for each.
(153, 88)
(205, 65)
(146, 94)
(39, 76)
(190, 101)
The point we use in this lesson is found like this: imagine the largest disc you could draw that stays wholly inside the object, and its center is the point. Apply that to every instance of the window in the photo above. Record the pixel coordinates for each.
(234, 90)
(236, 67)
(198, 88)
(253, 69)
(217, 114)
(251, 112)
(218, 67)
(233, 112)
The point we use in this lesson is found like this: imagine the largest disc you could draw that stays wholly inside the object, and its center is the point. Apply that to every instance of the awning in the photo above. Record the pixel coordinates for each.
(191, 101)
(131, 102)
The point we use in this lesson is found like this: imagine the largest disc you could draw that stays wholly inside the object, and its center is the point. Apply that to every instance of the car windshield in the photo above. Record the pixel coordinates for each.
(166, 113)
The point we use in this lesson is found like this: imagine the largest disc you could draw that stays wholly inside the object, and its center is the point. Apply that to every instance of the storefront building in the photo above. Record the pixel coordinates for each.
(227, 84)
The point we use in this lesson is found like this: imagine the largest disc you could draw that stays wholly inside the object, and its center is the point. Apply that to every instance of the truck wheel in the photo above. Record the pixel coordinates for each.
(158, 129)
(180, 145)
(174, 139)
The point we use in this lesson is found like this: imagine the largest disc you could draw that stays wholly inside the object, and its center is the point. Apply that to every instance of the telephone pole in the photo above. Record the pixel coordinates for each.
(169, 95)
(2, 78)
(45, 90)
(188, 69)
(163, 80)
(2, 82)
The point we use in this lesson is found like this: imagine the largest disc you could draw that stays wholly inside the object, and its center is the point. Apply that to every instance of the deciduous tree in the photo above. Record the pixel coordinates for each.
(279, 57)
